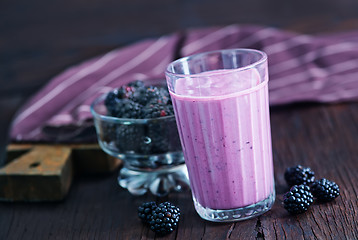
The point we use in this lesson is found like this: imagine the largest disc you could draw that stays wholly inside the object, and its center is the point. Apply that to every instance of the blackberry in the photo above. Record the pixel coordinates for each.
(125, 108)
(111, 101)
(299, 175)
(164, 92)
(298, 199)
(160, 137)
(163, 100)
(165, 97)
(164, 218)
(108, 131)
(325, 190)
(153, 110)
(170, 110)
(158, 133)
(128, 137)
(126, 92)
(148, 94)
(128, 100)
(145, 211)
(136, 84)
(152, 93)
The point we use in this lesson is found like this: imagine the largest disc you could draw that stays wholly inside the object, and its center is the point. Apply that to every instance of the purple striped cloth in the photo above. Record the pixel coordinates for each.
(301, 67)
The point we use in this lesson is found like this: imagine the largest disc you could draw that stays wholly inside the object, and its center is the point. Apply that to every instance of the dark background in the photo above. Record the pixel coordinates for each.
(39, 39)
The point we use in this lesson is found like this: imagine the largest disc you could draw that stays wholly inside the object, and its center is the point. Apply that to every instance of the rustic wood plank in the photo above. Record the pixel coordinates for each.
(14, 151)
(43, 174)
(88, 158)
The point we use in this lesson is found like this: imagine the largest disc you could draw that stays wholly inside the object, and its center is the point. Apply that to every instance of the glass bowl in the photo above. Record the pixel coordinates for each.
(150, 149)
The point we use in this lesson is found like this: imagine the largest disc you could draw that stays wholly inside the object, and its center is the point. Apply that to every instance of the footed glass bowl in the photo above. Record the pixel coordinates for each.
(149, 148)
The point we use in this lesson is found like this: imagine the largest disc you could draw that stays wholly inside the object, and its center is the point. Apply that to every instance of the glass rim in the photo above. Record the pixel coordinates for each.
(263, 58)
(112, 119)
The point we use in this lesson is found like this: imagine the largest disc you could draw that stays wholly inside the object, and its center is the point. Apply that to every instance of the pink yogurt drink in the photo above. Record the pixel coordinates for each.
(224, 126)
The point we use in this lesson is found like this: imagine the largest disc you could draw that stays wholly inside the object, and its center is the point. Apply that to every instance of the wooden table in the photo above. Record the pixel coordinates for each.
(38, 39)
(323, 137)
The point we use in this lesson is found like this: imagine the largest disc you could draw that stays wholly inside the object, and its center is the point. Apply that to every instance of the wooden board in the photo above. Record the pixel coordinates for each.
(45, 172)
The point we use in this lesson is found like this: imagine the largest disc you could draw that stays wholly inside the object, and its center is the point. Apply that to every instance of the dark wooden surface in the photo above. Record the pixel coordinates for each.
(39, 39)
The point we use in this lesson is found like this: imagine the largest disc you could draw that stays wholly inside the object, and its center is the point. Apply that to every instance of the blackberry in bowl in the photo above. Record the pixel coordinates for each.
(136, 124)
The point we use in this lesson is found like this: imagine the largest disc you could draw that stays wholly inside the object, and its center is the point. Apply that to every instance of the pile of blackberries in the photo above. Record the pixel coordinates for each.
(137, 101)
(304, 189)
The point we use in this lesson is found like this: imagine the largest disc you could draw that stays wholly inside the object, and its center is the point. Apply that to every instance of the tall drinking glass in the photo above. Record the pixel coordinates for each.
(221, 107)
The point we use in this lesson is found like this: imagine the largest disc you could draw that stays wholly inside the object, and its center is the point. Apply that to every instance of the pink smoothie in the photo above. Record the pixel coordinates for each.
(224, 127)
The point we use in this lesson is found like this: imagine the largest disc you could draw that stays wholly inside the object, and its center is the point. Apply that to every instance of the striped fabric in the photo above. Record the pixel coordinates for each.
(301, 67)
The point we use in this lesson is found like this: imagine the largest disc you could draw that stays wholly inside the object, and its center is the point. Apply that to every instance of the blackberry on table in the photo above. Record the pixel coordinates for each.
(325, 190)
(299, 175)
(298, 199)
(145, 211)
(164, 218)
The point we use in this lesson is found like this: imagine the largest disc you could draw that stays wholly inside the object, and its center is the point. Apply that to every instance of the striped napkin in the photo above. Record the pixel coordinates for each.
(320, 68)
